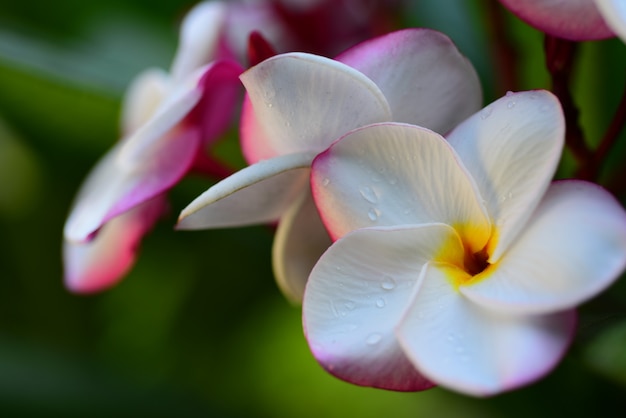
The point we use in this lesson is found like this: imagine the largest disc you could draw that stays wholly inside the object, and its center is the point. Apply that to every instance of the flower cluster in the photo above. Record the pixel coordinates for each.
(424, 236)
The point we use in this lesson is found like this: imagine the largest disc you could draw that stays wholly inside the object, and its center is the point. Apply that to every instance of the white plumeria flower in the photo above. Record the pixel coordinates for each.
(299, 104)
(167, 120)
(614, 13)
(457, 262)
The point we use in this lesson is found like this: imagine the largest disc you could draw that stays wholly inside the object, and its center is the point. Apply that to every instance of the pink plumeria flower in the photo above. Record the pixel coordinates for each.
(298, 104)
(168, 120)
(614, 13)
(460, 263)
(576, 20)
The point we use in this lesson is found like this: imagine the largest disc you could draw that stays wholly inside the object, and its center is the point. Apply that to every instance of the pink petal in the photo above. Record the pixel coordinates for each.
(512, 149)
(259, 193)
(572, 248)
(425, 79)
(577, 20)
(299, 242)
(356, 296)
(102, 262)
(467, 348)
(304, 102)
(396, 174)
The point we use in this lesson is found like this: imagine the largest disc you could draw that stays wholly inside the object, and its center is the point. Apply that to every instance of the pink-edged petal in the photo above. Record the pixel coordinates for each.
(356, 295)
(221, 91)
(116, 186)
(303, 102)
(573, 247)
(577, 20)
(424, 77)
(299, 242)
(102, 262)
(614, 13)
(512, 149)
(396, 174)
(259, 193)
(464, 347)
(143, 97)
(255, 145)
(199, 38)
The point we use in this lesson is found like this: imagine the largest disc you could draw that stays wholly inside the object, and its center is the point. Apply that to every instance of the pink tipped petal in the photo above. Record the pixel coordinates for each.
(512, 148)
(255, 145)
(303, 102)
(102, 262)
(142, 99)
(256, 194)
(356, 295)
(614, 13)
(396, 174)
(425, 79)
(115, 186)
(573, 247)
(299, 242)
(467, 348)
(199, 38)
(576, 20)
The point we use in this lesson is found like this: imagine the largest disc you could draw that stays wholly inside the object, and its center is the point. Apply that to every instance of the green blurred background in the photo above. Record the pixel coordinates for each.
(199, 328)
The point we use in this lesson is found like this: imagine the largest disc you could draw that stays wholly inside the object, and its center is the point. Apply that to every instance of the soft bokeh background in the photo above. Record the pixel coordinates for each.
(198, 328)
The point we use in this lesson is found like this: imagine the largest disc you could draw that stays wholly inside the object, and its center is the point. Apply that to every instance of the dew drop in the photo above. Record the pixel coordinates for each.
(509, 93)
(486, 113)
(511, 104)
(373, 339)
(380, 303)
(369, 194)
(373, 214)
(325, 182)
(388, 283)
(350, 305)
(393, 181)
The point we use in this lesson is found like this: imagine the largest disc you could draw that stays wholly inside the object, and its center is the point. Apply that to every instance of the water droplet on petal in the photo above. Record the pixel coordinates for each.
(369, 194)
(325, 182)
(270, 105)
(373, 214)
(350, 305)
(509, 93)
(511, 104)
(486, 113)
(388, 283)
(374, 339)
(380, 303)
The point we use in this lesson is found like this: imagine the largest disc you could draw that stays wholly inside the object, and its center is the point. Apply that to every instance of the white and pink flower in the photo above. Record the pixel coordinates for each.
(457, 261)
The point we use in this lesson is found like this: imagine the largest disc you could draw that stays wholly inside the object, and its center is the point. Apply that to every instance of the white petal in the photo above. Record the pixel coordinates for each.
(142, 99)
(573, 247)
(199, 37)
(512, 148)
(299, 242)
(259, 193)
(356, 295)
(303, 102)
(425, 79)
(396, 174)
(464, 347)
(614, 13)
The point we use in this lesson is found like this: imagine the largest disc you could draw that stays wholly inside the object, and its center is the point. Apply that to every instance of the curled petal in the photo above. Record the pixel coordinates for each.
(576, 20)
(396, 174)
(425, 79)
(512, 149)
(573, 247)
(199, 38)
(467, 348)
(102, 262)
(258, 193)
(614, 13)
(356, 296)
(143, 97)
(304, 102)
(299, 242)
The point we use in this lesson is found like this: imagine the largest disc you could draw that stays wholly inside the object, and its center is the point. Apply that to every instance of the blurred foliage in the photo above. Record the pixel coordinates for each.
(198, 328)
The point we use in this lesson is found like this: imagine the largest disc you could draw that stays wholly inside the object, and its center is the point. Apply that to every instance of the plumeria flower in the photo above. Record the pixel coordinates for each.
(298, 104)
(456, 262)
(576, 20)
(614, 13)
(168, 121)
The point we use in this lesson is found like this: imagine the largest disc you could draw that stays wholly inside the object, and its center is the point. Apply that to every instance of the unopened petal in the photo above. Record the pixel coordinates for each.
(102, 262)
(258, 193)
(573, 247)
(356, 296)
(396, 174)
(512, 149)
(466, 348)
(299, 242)
(304, 102)
(424, 77)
